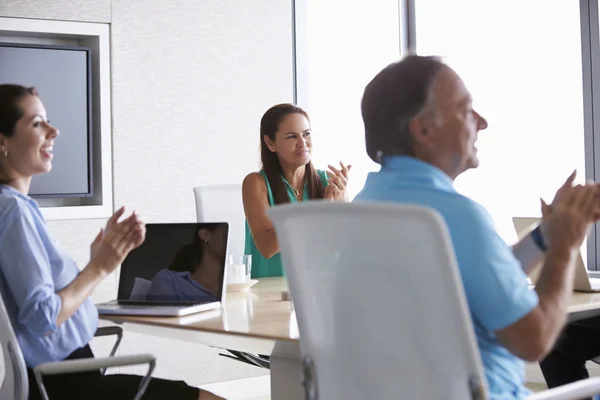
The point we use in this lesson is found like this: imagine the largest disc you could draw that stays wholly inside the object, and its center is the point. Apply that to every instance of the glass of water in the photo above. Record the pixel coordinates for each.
(245, 260)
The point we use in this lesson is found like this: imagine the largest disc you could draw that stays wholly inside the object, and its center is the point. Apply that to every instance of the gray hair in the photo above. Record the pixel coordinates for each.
(399, 93)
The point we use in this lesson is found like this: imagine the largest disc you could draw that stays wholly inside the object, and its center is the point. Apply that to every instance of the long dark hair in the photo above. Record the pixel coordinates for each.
(10, 112)
(190, 256)
(269, 124)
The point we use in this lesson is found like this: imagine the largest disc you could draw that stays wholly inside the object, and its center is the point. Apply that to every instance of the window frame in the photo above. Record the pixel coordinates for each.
(590, 53)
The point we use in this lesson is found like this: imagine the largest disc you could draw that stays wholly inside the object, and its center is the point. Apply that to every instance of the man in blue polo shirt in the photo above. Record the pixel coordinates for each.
(421, 127)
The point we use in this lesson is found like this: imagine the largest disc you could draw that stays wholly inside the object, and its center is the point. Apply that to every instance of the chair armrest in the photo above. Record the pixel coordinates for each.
(108, 330)
(94, 364)
(573, 391)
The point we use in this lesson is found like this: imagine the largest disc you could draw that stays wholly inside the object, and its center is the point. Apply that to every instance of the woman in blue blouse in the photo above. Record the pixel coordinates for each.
(46, 295)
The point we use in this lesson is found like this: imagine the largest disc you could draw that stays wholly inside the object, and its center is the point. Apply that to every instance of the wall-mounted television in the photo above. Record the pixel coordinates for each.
(63, 78)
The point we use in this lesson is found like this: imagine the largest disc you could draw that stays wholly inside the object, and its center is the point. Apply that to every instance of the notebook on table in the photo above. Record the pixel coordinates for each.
(178, 270)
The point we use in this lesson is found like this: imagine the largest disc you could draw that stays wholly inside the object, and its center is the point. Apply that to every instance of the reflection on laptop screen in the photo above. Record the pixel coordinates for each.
(177, 263)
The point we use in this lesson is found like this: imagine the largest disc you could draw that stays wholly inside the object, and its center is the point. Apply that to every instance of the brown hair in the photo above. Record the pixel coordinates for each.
(10, 112)
(269, 124)
(190, 256)
(395, 96)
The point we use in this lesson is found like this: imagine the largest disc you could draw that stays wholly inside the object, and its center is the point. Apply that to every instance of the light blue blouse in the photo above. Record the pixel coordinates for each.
(32, 270)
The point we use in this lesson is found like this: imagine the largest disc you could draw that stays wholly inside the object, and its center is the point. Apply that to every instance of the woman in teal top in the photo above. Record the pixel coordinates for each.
(287, 176)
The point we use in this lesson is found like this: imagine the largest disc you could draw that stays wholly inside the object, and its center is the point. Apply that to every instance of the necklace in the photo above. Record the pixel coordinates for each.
(296, 191)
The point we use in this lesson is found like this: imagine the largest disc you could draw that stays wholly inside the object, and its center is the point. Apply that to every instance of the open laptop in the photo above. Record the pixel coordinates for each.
(178, 270)
(582, 283)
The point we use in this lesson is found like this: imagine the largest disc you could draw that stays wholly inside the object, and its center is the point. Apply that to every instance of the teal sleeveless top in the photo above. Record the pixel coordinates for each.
(269, 267)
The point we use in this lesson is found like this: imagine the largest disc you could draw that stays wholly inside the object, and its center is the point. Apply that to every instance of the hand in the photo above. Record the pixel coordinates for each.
(112, 244)
(567, 220)
(547, 208)
(337, 181)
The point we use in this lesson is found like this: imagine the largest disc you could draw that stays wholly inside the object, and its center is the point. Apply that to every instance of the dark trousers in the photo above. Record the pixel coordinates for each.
(95, 386)
(579, 342)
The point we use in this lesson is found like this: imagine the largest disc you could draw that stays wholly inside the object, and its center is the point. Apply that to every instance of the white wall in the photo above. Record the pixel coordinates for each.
(190, 81)
(65, 10)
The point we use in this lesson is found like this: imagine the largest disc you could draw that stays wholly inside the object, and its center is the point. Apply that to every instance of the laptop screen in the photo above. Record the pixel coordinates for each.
(177, 263)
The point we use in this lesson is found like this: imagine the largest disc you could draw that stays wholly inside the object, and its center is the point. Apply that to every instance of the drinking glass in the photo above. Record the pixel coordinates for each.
(245, 260)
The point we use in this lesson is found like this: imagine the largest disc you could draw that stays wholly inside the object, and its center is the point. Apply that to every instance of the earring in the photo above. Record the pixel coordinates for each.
(5, 153)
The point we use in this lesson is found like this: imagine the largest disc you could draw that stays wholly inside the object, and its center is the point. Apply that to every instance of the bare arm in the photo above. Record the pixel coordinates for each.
(108, 250)
(532, 337)
(78, 291)
(256, 204)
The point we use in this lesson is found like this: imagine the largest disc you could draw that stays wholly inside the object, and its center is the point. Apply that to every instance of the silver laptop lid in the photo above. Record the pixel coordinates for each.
(177, 263)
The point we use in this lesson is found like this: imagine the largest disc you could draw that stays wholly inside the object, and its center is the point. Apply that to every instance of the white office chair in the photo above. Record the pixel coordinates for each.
(16, 385)
(223, 203)
(373, 286)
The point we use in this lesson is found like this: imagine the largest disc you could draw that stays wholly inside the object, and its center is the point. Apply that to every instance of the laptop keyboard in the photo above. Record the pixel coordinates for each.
(159, 303)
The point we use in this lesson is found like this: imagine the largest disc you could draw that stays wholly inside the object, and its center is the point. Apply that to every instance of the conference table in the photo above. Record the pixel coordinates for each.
(256, 321)
(584, 305)
(260, 321)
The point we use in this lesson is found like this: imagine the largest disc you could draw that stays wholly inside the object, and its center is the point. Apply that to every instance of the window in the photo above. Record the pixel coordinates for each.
(524, 69)
(529, 65)
(344, 52)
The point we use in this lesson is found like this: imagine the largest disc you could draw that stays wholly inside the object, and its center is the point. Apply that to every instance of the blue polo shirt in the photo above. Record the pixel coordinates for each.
(494, 282)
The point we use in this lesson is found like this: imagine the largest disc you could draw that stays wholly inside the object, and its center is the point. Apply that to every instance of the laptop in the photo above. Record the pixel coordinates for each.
(582, 283)
(178, 270)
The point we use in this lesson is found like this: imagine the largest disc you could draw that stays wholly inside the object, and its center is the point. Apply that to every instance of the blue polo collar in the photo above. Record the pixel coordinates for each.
(417, 170)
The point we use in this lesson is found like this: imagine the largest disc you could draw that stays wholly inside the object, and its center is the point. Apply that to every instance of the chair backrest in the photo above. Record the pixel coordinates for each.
(15, 385)
(223, 203)
(379, 302)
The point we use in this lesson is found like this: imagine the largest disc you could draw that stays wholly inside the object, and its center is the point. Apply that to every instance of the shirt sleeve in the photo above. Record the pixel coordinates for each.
(26, 268)
(496, 286)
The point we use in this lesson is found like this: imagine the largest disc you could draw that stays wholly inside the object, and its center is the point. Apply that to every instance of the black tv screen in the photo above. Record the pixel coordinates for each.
(62, 76)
